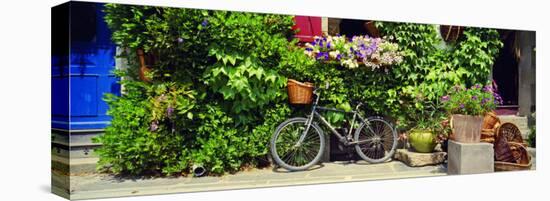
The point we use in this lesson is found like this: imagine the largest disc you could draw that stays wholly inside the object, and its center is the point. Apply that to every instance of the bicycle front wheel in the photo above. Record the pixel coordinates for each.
(377, 140)
(291, 154)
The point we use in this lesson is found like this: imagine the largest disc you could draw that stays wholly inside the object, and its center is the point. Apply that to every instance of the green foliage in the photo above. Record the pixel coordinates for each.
(220, 146)
(142, 138)
(429, 118)
(431, 68)
(218, 84)
(216, 93)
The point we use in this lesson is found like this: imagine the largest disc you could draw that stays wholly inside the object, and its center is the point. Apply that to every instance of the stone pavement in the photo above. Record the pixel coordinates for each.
(104, 185)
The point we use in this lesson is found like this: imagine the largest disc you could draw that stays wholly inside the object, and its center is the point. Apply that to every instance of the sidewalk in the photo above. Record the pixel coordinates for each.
(104, 185)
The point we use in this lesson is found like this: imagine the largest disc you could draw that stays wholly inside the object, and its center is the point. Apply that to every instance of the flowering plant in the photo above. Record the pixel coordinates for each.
(475, 101)
(372, 52)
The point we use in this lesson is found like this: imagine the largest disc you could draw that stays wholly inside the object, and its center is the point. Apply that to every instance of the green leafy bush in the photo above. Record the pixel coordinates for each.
(217, 89)
(215, 96)
(144, 137)
(429, 69)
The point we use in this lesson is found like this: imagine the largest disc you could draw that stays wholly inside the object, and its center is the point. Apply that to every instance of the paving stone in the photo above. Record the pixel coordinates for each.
(105, 185)
(415, 159)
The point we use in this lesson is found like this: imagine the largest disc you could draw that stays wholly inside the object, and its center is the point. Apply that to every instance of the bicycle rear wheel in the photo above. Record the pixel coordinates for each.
(290, 154)
(379, 140)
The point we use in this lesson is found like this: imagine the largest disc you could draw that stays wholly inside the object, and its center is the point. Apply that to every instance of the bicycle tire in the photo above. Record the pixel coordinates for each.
(276, 155)
(375, 149)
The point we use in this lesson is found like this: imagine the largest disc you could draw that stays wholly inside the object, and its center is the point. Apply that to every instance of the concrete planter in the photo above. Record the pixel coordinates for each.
(466, 128)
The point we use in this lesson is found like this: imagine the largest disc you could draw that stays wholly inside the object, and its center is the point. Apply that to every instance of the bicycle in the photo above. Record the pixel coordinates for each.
(298, 142)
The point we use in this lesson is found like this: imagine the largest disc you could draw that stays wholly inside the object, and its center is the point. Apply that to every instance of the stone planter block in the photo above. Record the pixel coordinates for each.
(470, 158)
(416, 159)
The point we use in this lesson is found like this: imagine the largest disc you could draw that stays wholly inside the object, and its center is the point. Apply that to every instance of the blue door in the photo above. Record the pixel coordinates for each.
(80, 78)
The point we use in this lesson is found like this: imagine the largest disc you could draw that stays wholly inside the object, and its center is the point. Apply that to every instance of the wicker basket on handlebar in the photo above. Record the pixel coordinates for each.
(299, 93)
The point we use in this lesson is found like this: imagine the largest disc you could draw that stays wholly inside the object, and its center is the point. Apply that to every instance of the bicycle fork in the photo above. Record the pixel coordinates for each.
(308, 126)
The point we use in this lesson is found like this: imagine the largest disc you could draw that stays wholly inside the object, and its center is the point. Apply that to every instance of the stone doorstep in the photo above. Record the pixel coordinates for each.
(415, 159)
(74, 165)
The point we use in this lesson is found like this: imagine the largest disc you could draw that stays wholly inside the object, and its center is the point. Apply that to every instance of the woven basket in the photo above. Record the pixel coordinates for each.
(503, 151)
(490, 120)
(487, 135)
(505, 166)
(511, 132)
(522, 159)
(299, 93)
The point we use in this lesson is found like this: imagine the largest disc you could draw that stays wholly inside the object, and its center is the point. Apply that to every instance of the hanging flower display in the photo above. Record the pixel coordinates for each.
(371, 52)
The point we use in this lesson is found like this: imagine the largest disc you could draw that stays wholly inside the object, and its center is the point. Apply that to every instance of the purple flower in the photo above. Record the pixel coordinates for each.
(338, 57)
(169, 111)
(487, 88)
(477, 86)
(445, 98)
(154, 126)
(204, 22)
(485, 100)
(319, 55)
(314, 43)
(462, 106)
(474, 97)
(322, 55)
(180, 40)
(369, 51)
(309, 49)
(328, 45)
(498, 99)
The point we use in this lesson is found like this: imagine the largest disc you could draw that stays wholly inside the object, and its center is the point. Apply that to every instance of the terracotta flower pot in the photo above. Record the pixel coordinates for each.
(422, 141)
(466, 128)
(143, 69)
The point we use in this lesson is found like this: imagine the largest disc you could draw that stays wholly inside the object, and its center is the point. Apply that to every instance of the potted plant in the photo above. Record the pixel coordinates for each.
(424, 136)
(467, 107)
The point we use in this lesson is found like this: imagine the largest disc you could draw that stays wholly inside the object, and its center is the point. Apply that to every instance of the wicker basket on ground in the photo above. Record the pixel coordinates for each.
(510, 150)
(522, 159)
(511, 132)
(299, 92)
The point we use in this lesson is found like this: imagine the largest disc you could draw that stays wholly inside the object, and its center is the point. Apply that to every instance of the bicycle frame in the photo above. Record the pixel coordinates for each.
(344, 139)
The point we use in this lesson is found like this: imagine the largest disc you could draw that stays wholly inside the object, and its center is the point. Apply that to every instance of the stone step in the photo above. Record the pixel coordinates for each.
(87, 151)
(75, 137)
(75, 143)
(74, 165)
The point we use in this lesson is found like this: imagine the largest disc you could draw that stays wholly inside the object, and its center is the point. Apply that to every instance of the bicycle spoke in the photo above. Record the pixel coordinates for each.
(296, 154)
(377, 140)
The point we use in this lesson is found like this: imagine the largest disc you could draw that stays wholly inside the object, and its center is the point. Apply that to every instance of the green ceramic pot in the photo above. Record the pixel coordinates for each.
(422, 141)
